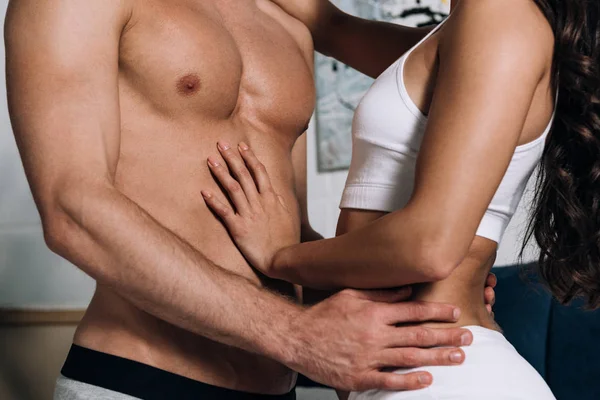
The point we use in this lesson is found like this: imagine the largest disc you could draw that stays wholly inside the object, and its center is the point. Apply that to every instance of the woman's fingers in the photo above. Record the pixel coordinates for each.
(223, 211)
(232, 187)
(239, 171)
(263, 181)
(244, 178)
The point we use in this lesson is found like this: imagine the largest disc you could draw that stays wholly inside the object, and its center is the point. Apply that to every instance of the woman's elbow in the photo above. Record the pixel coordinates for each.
(439, 270)
(436, 259)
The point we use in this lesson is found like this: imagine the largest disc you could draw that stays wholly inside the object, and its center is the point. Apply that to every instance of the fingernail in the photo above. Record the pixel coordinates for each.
(456, 313)
(456, 356)
(206, 195)
(213, 161)
(224, 146)
(424, 379)
(465, 339)
(244, 146)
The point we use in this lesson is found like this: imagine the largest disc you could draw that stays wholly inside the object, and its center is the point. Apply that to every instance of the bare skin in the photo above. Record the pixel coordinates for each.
(468, 78)
(114, 106)
(463, 285)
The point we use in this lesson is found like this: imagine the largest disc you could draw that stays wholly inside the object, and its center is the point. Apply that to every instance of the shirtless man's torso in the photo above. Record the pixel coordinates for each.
(191, 73)
(188, 73)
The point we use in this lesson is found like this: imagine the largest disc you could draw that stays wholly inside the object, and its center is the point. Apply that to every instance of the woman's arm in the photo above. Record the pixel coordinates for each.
(365, 45)
(491, 64)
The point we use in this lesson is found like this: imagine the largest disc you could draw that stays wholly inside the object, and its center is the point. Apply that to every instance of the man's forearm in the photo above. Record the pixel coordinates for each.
(120, 245)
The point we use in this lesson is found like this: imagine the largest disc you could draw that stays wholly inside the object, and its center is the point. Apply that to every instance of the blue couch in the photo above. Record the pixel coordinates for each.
(562, 343)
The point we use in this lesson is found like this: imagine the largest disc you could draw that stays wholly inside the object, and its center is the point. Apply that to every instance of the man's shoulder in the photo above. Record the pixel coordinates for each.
(295, 27)
(69, 13)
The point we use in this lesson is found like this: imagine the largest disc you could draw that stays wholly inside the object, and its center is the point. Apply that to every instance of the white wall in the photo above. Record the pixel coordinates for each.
(324, 190)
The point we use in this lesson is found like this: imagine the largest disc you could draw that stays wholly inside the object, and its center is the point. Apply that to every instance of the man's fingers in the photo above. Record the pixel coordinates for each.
(418, 311)
(420, 336)
(491, 280)
(238, 169)
(391, 381)
(382, 296)
(408, 357)
(232, 187)
(223, 211)
(263, 181)
(489, 296)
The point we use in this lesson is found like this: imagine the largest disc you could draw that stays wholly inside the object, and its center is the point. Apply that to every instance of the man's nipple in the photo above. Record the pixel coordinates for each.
(188, 85)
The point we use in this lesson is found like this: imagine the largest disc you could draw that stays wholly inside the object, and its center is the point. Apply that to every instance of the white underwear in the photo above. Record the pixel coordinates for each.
(493, 370)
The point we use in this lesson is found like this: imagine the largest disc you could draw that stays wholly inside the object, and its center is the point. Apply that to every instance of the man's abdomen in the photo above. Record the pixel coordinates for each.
(169, 192)
(193, 73)
(162, 168)
(113, 325)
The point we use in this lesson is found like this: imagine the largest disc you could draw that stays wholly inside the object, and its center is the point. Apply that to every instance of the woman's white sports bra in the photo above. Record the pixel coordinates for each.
(387, 132)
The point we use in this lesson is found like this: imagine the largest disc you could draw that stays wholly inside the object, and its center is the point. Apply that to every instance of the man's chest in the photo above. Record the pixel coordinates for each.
(220, 58)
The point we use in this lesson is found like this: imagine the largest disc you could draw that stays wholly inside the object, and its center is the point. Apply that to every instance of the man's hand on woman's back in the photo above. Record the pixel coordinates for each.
(354, 340)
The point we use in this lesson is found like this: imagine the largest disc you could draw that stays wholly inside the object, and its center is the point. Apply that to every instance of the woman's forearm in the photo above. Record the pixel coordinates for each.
(377, 256)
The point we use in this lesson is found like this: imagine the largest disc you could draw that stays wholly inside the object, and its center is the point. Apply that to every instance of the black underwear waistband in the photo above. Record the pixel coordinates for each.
(145, 382)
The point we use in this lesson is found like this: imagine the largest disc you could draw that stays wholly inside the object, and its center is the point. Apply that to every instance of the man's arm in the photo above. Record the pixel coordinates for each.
(62, 75)
(367, 46)
(62, 79)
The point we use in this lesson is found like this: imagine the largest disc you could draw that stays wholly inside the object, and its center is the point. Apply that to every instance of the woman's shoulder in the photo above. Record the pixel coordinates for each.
(500, 35)
(513, 28)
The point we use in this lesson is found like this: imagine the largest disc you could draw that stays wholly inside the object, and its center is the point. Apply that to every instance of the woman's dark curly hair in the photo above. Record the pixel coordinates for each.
(566, 211)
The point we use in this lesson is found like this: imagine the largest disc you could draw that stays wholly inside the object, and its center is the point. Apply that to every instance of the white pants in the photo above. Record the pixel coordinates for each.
(493, 370)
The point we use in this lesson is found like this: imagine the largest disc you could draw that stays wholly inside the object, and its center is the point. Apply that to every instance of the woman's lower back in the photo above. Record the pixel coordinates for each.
(463, 288)
(493, 369)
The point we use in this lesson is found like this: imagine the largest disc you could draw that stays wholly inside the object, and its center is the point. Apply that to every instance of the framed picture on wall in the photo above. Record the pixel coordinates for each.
(340, 88)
